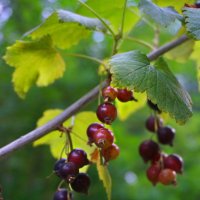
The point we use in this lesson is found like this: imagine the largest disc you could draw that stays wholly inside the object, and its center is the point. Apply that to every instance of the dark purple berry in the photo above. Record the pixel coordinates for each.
(153, 172)
(69, 171)
(106, 113)
(174, 162)
(78, 157)
(125, 95)
(91, 130)
(61, 194)
(166, 135)
(58, 165)
(81, 183)
(153, 123)
(149, 150)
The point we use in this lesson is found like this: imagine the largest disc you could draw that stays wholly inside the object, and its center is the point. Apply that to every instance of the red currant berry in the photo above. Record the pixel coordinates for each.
(106, 113)
(91, 130)
(167, 177)
(174, 162)
(62, 194)
(166, 135)
(103, 138)
(111, 153)
(153, 172)
(58, 166)
(78, 157)
(68, 171)
(153, 106)
(149, 150)
(109, 93)
(152, 123)
(125, 95)
(81, 183)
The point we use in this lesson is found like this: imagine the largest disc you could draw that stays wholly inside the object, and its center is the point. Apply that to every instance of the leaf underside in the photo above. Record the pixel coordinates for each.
(132, 70)
(192, 20)
(66, 28)
(162, 16)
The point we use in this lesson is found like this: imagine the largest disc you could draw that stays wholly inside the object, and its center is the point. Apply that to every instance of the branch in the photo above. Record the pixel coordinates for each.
(75, 107)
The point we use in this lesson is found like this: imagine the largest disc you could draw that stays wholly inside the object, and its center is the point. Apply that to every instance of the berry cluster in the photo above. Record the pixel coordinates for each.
(163, 167)
(106, 112)
(68, 171)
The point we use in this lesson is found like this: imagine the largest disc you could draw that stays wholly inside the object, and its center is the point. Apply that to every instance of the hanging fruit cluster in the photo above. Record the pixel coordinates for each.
(68, 171)
(163, 168)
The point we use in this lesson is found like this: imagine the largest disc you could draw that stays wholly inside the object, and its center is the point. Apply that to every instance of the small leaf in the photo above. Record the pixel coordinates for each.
(163, 16)
(35, 62)
(124, 110)
(105, 177)
(78, 134)
(192, 20)
(133, 70)
(66, 28)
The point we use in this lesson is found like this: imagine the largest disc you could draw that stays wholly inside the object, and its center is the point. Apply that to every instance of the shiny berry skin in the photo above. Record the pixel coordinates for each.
(62, 194)
(81, 183)
(166, 135)
(78, 157)
(149, 150)
(68, 171)
(124, 95)
(103, 138)
(109, 93)
(106, 113)
(152, 123)
(111, 153)
(174, 162)
(58, 165)
(167, 177)
(153, 106)
(153, 172)
(91, 130)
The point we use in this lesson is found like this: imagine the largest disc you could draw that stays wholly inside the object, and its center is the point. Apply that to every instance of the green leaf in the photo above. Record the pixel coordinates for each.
(78, 134)
(124, 110)
(178, 5)
(66, 28)
(192, 20)
(105, 177)
(113, 13)
(195, 56)
(35, 62)
(182, 52)
(133, 70)
(162, 16)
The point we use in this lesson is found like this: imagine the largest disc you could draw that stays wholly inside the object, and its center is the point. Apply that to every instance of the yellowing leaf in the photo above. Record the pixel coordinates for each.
(35, 62)
(124, 110)
(105, 177)
(78, 134)
(66, 28)
(182, 52)
(195, 56)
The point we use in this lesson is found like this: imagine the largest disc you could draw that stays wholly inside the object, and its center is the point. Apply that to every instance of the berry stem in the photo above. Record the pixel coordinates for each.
(123, 19)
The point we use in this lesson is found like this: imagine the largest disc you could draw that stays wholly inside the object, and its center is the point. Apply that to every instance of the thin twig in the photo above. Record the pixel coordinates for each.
(75, 107)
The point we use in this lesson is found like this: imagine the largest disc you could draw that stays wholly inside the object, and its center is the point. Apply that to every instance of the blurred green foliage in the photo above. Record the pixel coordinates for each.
(24, 174)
